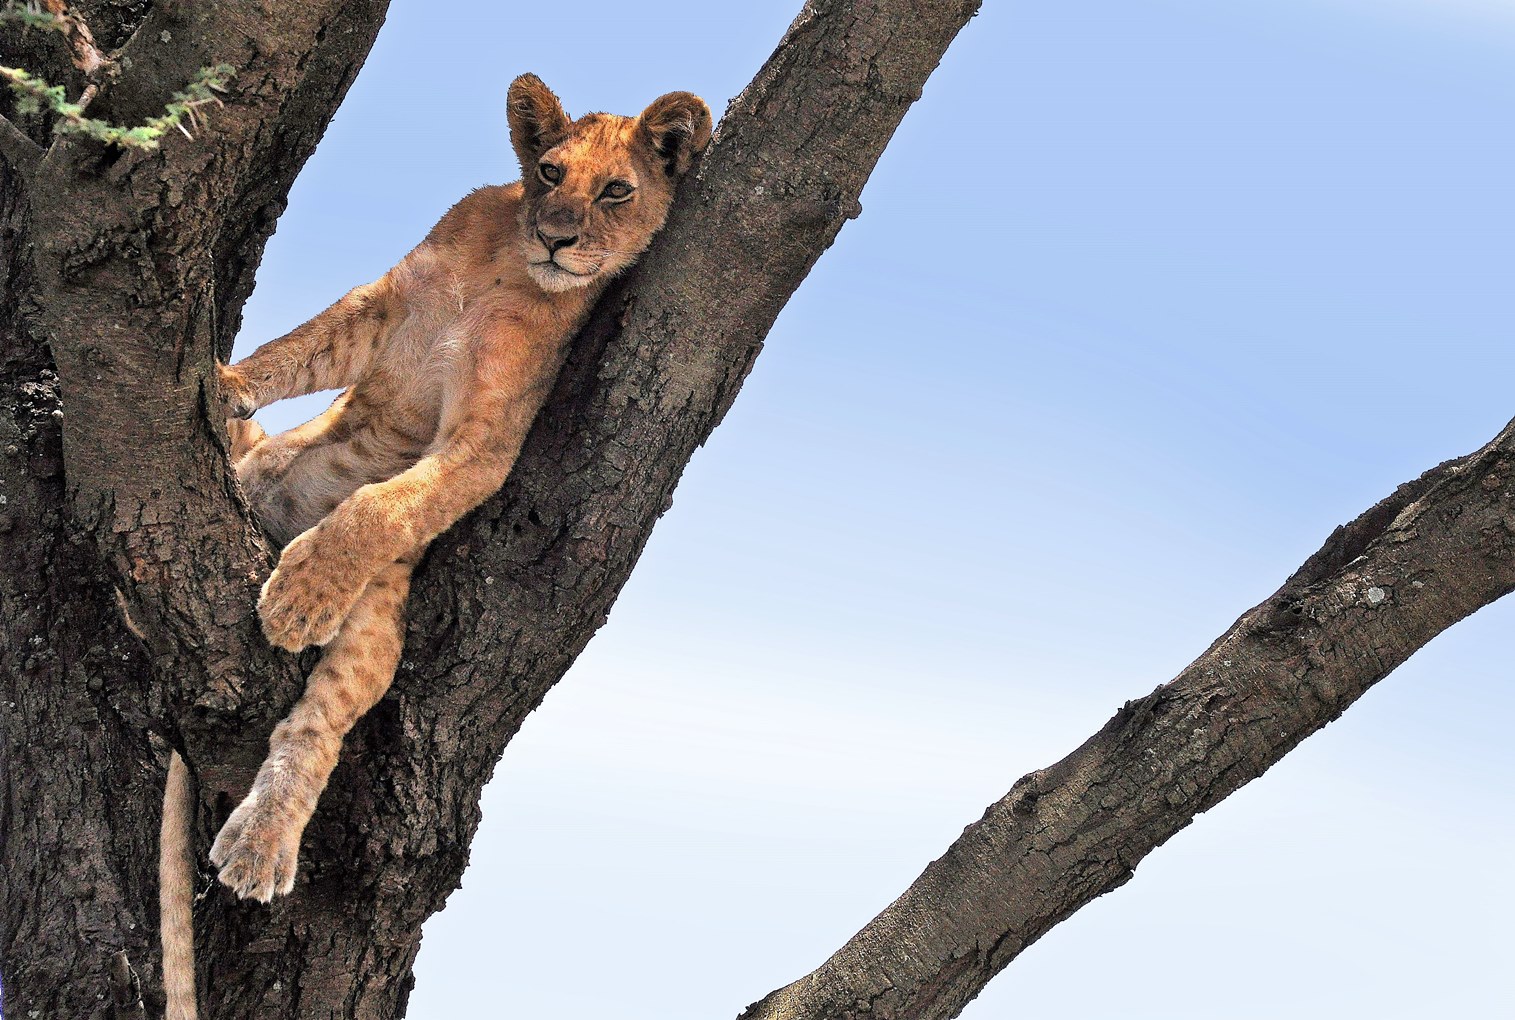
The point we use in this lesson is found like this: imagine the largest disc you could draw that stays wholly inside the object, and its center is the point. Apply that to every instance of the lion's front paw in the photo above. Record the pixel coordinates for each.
(241, 401)
(258, 850)
(307, 597)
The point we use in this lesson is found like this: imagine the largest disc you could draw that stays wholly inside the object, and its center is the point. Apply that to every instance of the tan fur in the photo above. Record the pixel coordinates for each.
(444, 362)
(176, 889)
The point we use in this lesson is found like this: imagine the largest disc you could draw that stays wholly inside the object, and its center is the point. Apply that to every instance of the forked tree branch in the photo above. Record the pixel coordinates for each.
(1437, 550)
(138, 283)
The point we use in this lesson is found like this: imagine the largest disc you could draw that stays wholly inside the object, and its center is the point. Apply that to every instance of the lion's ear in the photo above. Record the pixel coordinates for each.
(677, 128)
(537, 120)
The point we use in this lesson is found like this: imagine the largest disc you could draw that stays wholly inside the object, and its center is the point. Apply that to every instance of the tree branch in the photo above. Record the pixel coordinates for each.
(1438, 549)
(138, 284)
(507, 599)
(664, 356)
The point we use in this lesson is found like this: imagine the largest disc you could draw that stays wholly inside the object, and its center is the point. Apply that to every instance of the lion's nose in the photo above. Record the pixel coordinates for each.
(552, 243)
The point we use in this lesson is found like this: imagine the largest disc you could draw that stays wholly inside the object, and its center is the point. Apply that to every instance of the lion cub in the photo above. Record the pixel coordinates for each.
(444, 362)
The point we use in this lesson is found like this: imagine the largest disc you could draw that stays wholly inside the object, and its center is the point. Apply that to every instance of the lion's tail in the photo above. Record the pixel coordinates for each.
(176, 889)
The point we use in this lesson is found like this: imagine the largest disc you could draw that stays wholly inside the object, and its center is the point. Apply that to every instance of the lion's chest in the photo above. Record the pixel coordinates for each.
(460, 324)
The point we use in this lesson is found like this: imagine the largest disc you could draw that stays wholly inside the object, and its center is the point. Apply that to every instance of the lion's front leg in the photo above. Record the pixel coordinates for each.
(331, 351)
(258, 848)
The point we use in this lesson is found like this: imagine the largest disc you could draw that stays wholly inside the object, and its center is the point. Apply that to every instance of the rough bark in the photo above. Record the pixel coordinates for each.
(1434, 552)
(121, 272)
(125, 274)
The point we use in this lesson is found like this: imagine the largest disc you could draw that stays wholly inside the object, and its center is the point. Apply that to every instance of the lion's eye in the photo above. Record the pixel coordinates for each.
(615, 191)
(549, 173)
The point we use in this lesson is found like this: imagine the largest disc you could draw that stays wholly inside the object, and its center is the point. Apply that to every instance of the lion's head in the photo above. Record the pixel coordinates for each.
(598, 188)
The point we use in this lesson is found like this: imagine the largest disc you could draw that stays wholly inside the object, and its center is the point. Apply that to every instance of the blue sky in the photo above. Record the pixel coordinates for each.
(1145, 299)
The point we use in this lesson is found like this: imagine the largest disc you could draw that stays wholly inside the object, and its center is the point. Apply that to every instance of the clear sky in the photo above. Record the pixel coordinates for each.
(1145, 299)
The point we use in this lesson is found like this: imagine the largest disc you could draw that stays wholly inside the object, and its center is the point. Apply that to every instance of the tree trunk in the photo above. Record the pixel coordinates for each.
(131, 570)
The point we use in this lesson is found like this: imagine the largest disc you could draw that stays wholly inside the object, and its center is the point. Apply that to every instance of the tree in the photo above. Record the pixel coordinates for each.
(598, 472)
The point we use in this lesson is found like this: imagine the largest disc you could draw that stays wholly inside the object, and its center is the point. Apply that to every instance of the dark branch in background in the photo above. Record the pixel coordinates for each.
(182, 205)
(34, 95)
(54, 16)
(17, 151)
(1436, 551)
(81, 43)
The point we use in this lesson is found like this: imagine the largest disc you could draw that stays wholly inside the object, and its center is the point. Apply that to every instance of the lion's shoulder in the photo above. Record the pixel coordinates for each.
(482, 218)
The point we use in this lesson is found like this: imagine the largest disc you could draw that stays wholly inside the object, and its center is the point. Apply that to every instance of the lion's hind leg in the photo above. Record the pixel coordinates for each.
(257, 850)
(293, 479)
